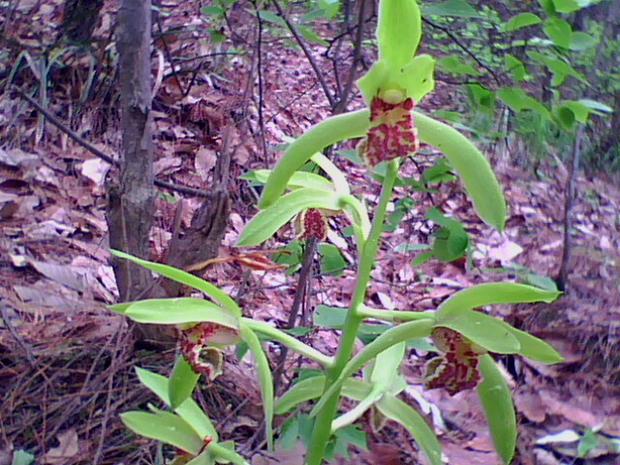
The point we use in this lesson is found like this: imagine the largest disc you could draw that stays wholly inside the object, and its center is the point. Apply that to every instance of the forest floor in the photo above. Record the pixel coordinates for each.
(66, 362)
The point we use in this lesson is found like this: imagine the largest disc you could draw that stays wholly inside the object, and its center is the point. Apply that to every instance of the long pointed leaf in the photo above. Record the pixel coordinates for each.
(535, 348)
(401, 412)
(496, 400)
(165, 427)
(265, 378)
(186, 278)
(489, 294)
(188, 410)
(178, 311)
(473, 168)
(266, 222)
(393, 336)
(326, 133)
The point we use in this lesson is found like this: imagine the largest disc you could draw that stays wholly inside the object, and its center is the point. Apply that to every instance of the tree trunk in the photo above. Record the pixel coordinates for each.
(131, 203)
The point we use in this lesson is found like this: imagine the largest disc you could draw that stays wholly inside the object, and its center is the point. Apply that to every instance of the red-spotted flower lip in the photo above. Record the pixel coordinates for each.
(313, 225)
(392, 131)
(456, 369)
(197, 347)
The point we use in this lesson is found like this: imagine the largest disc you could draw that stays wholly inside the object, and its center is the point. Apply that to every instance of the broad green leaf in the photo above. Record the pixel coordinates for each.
(400, 412)
(457, 8)
(298, 179)
(212, 11)
(451, 241)
(473, 168)
(535, 348)
(272, 17)
(188, 279)
(490, 294)
(22, 457)
(188, 410)
(520, 21)
(515, 67)
(560, 68)
(580, 41)
(338, 178)
(399, 30)
(266, 222)
(518, 100)
(178, 311)
(182, 382)
(386, 368)
(568, 6)
(400, 333)
(496, 401)
(330, 317)
(332, 261)
(453, 64)
(165, 427)
(484, 330)
(265, 379)
(224, 452)
(559, 31)
(326, 133)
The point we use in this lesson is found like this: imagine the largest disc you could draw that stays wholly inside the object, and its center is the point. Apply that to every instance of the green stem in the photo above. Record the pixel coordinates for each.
(289, 341)
(322, 425)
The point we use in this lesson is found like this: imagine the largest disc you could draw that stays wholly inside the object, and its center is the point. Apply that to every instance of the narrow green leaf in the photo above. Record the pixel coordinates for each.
(265, 379)
(400, 412)
(496, 401)
(206, 458)
(266, 222)
(298, 179)
(188, 410)
(272, 17)
(328, 132)
(165, 427)
(535, 348)
(400, 333)
(399, 30)
(490, 294)
(484, 330)
(178, 311)
(473, 168)
(520, 21)
(224, 453)
(456, 8)
(188, 279)
(182, 382)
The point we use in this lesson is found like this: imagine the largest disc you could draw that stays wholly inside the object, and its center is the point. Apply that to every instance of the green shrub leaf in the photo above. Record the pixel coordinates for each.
(182, 382)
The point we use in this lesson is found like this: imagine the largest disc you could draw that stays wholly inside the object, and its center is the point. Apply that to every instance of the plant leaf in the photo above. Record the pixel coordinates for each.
(489, 294)
(338, 178)
(456, 8)
(181, 383)
(178, 311)
(188, 279)
(484, 330)
(165, 427)
(266, 222)
(400, 412)
(496, 400)
(473, 168)
(298, 179)
(391, 337)
(188, 410)
(328, 132)
(520, 21)
(535, 348)
(265, 379)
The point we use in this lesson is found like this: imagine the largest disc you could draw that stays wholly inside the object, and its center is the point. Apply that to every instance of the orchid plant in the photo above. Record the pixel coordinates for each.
(464, 336)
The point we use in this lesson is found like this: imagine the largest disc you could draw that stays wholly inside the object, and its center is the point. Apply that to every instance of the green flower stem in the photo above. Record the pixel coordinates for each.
(394, 315)
(322, 425)
(289, 341)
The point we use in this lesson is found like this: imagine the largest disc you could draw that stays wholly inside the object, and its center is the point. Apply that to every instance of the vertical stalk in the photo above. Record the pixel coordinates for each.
(322, 425)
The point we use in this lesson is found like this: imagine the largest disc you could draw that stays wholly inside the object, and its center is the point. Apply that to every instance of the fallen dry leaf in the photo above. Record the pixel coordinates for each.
(68, 447)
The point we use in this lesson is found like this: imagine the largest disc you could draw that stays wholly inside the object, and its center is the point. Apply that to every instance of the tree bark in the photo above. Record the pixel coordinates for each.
(131, 203)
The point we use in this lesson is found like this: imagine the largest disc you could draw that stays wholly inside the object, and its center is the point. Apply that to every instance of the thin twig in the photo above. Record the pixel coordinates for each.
(463, 47)
(302, 285)
(357, 53)
(9, 325)
(169, 56)
(261, 87)
(306, 50)
(105, 157)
